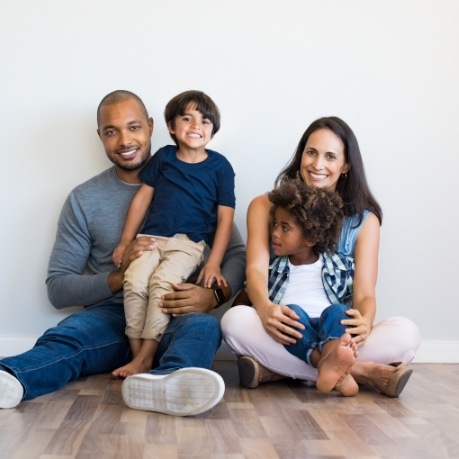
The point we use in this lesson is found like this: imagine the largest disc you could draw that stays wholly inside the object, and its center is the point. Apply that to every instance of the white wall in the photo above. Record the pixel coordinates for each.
(390, 69)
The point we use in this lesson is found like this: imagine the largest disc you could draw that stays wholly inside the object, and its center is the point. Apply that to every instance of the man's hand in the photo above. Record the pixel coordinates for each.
(134, 250)
(188, 298)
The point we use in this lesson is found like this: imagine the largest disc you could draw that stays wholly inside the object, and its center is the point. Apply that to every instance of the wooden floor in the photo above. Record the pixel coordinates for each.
(87, 419)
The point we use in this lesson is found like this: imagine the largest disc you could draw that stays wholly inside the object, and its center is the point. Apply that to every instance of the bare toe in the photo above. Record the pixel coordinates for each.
(335, 365)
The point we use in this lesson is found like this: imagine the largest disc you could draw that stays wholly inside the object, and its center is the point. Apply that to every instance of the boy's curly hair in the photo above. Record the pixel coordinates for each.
(317, 211)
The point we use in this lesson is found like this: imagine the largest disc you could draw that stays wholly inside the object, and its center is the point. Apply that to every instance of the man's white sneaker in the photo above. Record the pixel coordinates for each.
(184, 392)
(11, 390)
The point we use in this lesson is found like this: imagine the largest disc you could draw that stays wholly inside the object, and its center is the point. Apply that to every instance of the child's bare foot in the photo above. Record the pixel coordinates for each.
(336, 364)
(132, 368)
(347, 386)
(354, 347)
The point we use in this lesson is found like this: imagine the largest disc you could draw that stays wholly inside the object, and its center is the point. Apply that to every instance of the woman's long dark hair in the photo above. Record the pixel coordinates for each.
(352, 187)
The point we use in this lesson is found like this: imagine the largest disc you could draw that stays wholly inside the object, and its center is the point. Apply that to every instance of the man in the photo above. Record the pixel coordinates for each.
(81, 272)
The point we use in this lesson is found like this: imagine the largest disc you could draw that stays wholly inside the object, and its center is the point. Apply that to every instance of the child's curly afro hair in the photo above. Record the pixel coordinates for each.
(317, 211)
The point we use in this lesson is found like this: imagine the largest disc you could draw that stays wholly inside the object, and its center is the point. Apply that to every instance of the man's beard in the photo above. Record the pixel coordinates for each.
(134, 166)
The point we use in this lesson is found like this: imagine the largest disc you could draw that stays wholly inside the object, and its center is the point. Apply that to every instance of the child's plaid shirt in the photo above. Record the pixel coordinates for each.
(337, 278)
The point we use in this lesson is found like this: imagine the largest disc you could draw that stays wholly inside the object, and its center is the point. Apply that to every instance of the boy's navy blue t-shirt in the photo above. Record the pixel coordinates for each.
(187, 195)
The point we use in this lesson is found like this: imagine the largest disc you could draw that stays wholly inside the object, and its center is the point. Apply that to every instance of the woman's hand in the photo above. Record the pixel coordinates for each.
(281, 323)
(359, 326)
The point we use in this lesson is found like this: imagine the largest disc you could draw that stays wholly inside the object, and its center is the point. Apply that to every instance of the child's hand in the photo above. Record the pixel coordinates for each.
(209, 274)
(118, 255)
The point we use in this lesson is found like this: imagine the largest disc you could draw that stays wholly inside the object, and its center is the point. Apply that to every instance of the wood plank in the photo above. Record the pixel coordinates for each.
(283, 420)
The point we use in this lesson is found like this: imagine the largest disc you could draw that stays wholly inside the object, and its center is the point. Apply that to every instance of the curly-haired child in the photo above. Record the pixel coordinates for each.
(312, 280)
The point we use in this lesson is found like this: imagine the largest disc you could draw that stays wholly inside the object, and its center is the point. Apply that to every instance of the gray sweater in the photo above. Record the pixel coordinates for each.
(89, 229)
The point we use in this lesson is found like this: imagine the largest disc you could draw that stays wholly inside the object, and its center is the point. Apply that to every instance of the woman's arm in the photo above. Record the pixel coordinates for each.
(258, 234)
(366, 272)
(280, 322)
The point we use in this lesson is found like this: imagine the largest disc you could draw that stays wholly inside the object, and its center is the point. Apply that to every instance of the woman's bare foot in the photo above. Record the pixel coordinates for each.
(336, 364)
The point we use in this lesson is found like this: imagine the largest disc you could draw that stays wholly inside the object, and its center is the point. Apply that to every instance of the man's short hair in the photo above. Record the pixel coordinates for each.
(120, 95)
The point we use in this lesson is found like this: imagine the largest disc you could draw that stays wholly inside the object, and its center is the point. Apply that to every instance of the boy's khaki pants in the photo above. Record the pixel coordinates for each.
(151, 276)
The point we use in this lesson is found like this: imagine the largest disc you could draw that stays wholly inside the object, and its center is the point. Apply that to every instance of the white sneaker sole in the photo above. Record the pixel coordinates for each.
(184, 392)
(11, 390)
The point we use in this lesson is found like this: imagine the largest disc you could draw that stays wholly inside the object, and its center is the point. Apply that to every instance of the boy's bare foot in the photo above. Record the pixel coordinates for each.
(336, 364)
(134, 367)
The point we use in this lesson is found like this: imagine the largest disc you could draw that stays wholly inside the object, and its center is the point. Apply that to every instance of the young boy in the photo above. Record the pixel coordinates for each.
(312, 280)
(186, 201)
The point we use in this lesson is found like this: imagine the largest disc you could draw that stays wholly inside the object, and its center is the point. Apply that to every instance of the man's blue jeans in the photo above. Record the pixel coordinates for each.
(318, 330)
(93, 341)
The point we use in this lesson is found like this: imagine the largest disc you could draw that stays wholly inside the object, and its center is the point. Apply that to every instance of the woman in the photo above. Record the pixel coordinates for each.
(327, 155)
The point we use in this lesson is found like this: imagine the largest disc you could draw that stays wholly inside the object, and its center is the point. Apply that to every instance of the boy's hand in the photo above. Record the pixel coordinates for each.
(209, 274)
(118, 255)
